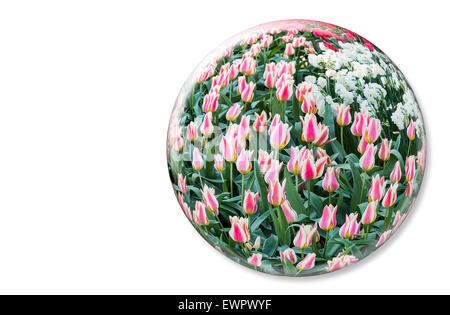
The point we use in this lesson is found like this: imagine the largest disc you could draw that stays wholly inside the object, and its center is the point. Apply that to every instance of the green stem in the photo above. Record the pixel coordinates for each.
(303, 254)
(224, 185)
(387, 219)
(409, 146)
(231, 179)
(242, 192)
(329, 198)
(296, 182)
(362, 188)
(325, 246)
(309, 197)
(221, 225)
(200, 176)
(342, 138)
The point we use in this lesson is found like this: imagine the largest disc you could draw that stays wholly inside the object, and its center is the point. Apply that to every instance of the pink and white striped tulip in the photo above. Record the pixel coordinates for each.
(207, 127)
(219, 163)
(410, 168)
(289, 212)
(409, 189)
(373, 130)
(359, 123)
(248, 66)
(289, 50)
(351, 227)
(362, 146)
(270, 79)
(343, 117)
(192, 131)
(280, 136)
(330, 182)
(264, 161)
(178, 144)
(305, 236)
(250, 205)
(308, 262)
(390, 197)
(340, 262)
(367, 160)
(243, 162)
(396, 173)
(239, 229)
(383, 238)
(275, 122)
(182, 183)
(260, 124)
(295, 160)
(308, 166)
(255, 260)
(288, 255)
(308, 105)
(385, 150)
(376, 191)
(187, 210)
(276, 195)
(244, 127)
(199, 214)
(298, 41)
(328, 220)
(210, 102)
(421, 160)
(370, 214)
(233, 112)
(411, 131)
(309, 128)
(284, 88)
(303, 91)
(197, 159)
(228, 148)
(210, 200)
(242, 85)
(322, 135)
(248, 93)
(273, 172)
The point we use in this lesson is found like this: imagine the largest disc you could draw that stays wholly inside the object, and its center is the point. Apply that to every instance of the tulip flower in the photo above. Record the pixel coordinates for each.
(274, 171)
(207, 128)
(341, 261)
(322, 135)
(239, 229)
(328, 220)
(385, 150)
(288, 255)
(309, 129)
(293, 165)
(187, 210)
(228, 148)
(275, 121)
(367, 160)
(182, 183)
(409, 189)
(192, 131)
(388, 202)
(289, 50)
(248, 93)
(307, 262)
(396, 173)
(305, 236)
(362, 146)
(410, 168)
(250, 205)
(197, 159)
(199, 214)
(411, 131)
(248, 66)
(343, 117)
(276, 195)
(284, 87)
(398, 220)
(359, 123)
(178, 144)
(290, 214)
(242, 85)
(243, 162)
(373, 130)
(270, 79)
(298, 41)
(255, 260)
(233, 112)
(209, 199)
(218, 162)
(383, 238)
(264, 161)
(280, 136)
(302, 91)
(351, 226)
(260, 124)
(370, 214)
(308, 105)
(330, 182)
(257, 244)
(210, 102)
(376, 191)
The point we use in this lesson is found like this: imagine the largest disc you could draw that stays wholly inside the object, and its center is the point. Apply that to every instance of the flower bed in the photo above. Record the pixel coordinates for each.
(297, 148)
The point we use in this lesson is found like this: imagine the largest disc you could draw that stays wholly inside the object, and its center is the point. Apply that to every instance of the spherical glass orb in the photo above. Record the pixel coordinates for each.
(296, 148)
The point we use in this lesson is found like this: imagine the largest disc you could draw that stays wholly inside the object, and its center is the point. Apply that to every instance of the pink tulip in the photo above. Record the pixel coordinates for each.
(309, 130)
(255, 260)
(298, 41)
(293, 165)
(243, 162)
(228, 148)
(199, 214)
(192, 131)
(182, 183)
(373, 130)
(305, 236)
(328, 219)
(284, 88)
(302, 91)
(359, 123)
(275, 122)
(362, 146)
(398, 220)
(376, 191)
(274, 171)
(233, 112)
(410, 168)
(248, 93)
(390, 197)
(421, 160)
(330, 182)
(239, 229)
(207, 128)
(219, 162)
(340, 262)
(367, 160)
(264, 161)
(260, 124)
(187, 210)
(233, 72)
(308, 105)
(244, 127)
(343, 115)
(289, 50)
(308, 167)
(288, 255)
(370, 214)
(250, 202)
(270, 79)
(411, 131)
(209, 199)
(280, 136)
(322, 135)
(385, 150)
(396, 173)
(197, 159)
(409, 189)
(351, 226)
(276, 194)
(248, 66)
(307, 262)
(178, 144)
(290, 214)
(383, 238)
(210, 101)
(242, 85)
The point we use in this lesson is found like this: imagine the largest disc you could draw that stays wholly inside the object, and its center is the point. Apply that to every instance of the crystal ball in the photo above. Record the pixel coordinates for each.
(296, 148)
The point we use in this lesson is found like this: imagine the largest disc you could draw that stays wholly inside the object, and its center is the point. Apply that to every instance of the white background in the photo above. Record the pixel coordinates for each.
(86, 90)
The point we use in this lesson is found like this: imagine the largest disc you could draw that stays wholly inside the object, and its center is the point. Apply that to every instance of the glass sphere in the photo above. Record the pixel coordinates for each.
(296, 148)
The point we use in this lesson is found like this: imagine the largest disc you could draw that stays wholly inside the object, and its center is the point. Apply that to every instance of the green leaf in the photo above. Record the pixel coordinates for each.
(292, 194)
(260, 219)
(270, 245)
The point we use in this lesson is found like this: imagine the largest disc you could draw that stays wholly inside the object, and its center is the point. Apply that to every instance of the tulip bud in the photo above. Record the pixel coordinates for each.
(359, 124)
(309, 129)
(289, 50)
(250, 202)
(264, 161)
(255, 260)
(228, 148)
(218, 162)
(293, 165)
(396, 173)
(385, 150)
(343, 117)
(370, 214)
(308, 262)
(305, 236)
(328, 219)
(383, 238)
(274, 171)
(322, 135)
(377, 188)
(351, 226)
(410, 189)
(330, 182)
(207, 127)
(239, 229)
(276, 194)
(308, 167)
(288, 255)
(192, 131)
(373, 130)
(341, 261)
(248, 93)
(390, 197)
(362, 146)
(233, 112)
(290, 214)
(411, 131)
(199, 214)
(284, 88)
(280, 136)
(260, 124)
(257, 244)
(308, 105)
(178, 144)
(410, 168)
(367, 160)
(197, 159)
(243, 162)
(182, 183)
(209, 199)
